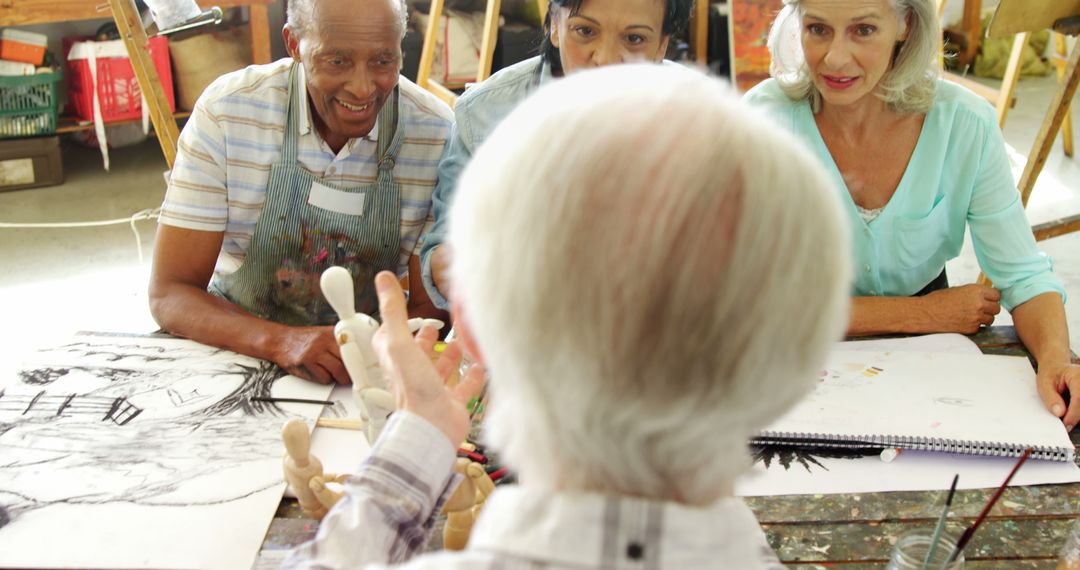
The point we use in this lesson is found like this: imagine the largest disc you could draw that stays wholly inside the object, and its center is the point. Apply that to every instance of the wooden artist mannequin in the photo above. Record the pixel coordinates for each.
(354, 332)
(464, 505)
(304, 472)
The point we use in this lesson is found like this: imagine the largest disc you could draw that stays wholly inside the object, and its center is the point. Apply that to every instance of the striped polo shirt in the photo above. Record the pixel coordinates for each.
(235, 133)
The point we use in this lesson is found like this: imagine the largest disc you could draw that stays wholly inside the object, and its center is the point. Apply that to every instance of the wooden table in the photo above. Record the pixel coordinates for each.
(25, 12)
(1025, 530)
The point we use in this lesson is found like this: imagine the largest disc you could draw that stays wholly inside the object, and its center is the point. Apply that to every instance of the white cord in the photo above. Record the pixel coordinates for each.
(140, 216)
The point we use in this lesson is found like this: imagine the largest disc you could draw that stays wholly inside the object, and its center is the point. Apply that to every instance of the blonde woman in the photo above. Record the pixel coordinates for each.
(917, 161)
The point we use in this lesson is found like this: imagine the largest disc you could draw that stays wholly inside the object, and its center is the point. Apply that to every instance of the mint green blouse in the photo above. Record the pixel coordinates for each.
(958, 177)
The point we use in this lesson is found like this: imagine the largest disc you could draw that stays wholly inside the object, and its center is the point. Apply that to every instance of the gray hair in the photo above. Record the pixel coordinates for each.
(300, 13)
(908, 86)
(648, 289)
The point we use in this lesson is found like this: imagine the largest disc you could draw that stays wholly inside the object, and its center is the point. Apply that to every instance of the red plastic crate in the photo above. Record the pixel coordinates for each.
(118, 89)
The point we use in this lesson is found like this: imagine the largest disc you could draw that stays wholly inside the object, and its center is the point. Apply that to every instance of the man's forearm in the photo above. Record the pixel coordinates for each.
(196, 314)
(887, 315)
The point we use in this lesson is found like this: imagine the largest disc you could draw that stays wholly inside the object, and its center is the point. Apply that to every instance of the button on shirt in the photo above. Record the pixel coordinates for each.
(390, 506)
(235, 133)
(958, 177)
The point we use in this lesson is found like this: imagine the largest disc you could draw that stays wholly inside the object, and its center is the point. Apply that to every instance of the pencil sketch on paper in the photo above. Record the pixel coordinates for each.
(135, 421)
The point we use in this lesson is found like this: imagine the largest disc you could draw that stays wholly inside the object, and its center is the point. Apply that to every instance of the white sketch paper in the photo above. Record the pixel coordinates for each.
(131, 451)
(954, 402)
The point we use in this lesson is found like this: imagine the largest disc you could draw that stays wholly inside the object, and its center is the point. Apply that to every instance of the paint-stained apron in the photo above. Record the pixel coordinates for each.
(308, 224)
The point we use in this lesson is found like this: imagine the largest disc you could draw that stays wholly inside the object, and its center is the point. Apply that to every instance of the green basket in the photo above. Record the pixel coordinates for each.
(28, 105)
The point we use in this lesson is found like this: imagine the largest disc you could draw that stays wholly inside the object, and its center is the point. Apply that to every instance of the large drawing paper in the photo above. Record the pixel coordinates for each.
(983, 400)
(128, 451)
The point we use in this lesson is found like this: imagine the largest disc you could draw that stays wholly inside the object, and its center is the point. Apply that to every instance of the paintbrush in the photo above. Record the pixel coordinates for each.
(940, 523)
(970, 531)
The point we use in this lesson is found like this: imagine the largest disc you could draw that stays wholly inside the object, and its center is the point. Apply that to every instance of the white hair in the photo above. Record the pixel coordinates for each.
(300, 13)
(652, 272)
(908, 85)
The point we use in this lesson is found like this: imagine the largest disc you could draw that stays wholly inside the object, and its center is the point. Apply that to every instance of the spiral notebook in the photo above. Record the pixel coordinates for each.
(973, 404)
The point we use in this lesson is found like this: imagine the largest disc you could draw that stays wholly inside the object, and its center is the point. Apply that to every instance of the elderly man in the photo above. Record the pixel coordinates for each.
(647, 290)
(325, 158)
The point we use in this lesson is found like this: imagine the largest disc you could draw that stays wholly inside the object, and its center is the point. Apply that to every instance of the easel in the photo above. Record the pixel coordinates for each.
(131, 30)
(1003, 98)
(1016, 16)
(487, 46)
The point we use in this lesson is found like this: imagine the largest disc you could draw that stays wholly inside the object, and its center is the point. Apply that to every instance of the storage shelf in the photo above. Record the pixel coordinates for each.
(73, 125)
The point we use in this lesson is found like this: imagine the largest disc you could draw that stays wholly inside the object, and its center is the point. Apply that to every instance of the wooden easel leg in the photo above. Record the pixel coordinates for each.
(1059, 65)
(699, 32)
(130, 26)
(1050, 126)
(490, 37)
(427, 53)
(1012, 76)
(259, 24)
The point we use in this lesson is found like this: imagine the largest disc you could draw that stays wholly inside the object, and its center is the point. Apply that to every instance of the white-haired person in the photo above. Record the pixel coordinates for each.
(579, 35)
(916, 161)
(631, 333)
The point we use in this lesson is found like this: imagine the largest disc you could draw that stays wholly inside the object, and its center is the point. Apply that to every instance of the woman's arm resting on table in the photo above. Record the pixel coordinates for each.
(956, 309)
(183, 265)
(1041, 326)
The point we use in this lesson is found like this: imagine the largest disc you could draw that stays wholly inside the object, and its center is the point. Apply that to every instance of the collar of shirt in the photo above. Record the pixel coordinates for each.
(599, 531)
(305, 112)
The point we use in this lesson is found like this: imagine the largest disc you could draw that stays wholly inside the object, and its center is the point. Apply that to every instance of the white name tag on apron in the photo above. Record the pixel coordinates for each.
(351, 203)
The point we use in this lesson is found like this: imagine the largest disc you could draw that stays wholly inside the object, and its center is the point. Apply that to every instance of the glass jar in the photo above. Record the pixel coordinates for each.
(910, 552)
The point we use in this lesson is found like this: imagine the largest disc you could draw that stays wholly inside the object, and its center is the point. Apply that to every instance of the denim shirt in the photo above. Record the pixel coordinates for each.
(958, 177)
(477, 113)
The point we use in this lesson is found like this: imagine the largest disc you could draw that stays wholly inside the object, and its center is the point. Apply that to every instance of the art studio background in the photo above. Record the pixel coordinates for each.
(63, 279)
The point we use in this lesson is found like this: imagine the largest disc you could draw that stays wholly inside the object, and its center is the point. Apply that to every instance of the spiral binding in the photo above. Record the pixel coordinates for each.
(855, 442)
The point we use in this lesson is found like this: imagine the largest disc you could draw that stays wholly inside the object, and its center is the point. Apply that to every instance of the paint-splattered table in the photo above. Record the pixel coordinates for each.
(1025, 530)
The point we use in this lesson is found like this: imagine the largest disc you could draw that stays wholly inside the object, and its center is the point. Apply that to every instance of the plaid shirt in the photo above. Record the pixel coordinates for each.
(391, 503)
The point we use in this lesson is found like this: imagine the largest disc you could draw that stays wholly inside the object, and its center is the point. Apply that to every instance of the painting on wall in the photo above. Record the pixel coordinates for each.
(749, 30)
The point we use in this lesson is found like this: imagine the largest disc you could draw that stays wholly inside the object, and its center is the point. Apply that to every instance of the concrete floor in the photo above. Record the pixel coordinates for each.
(63, 280)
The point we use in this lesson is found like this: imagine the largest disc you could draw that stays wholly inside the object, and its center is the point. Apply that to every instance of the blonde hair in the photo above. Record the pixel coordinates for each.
(908, 86)
(649, 289)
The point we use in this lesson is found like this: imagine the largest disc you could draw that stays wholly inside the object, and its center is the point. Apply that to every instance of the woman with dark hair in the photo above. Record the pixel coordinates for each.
(579, 34)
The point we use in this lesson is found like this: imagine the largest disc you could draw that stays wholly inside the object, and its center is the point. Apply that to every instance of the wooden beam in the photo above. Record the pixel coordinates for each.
(699, 32)
(1051, 125)
(427, 52)
(128, 22)
(488, 40)
(1057, 227)
(24, 12)
(971, 24)
(437, 89)
(259, 23)
(1012, 76)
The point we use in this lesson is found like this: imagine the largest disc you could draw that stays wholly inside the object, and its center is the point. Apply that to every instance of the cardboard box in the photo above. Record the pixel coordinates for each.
(30, 163)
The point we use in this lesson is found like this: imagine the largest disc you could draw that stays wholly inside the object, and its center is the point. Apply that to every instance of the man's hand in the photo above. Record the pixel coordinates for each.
(963, 309)
(419, 386)
(1052, 380)
(311, 353)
